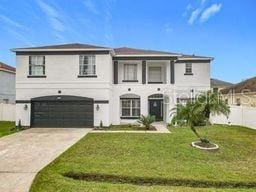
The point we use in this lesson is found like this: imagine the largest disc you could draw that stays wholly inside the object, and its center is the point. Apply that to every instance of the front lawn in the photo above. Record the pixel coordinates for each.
(127, 127)
(155, 162)
(6, 128)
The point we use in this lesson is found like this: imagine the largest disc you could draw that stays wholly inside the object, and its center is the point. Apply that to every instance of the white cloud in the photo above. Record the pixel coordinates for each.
(168, 28)
(210, 11)
(203, 2)
(90, 5)
(53, 16)
(188, 8)
(11, 22)
(20, 37)
(195, 14)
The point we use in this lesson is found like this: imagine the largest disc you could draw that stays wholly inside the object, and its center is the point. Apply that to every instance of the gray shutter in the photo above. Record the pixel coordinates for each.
(172, 72)
(115, 72)
(44, 65)
(30, 67)
(144, 71)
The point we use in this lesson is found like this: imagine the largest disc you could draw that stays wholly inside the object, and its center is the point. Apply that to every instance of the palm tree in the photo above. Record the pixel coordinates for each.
(197, 111)
(211, 103)
(189, 114)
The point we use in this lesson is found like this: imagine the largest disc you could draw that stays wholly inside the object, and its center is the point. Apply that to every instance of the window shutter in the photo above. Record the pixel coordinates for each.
(144, 72)
(30, 67)
(44, 65)
(115, 72)
(172, 70)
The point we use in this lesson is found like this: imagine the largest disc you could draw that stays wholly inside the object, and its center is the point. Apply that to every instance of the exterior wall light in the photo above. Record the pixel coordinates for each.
(25, 107)
(97, 107)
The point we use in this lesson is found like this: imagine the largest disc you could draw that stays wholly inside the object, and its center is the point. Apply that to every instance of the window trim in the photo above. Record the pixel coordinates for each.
(92, 75)
(190, 72)
(30, 75)
(136, 73)
(130, 108)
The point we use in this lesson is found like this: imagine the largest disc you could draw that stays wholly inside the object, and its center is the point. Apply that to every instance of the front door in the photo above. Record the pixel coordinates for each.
(156, 109)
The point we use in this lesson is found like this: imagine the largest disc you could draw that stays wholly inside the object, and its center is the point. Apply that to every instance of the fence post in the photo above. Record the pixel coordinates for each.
(242, 113)
(1, 111)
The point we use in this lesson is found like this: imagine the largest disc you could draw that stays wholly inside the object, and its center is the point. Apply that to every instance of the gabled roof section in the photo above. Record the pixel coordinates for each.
(126, 51)
(130, 52)
(7, 68)
(62, 47)
(220, 83)
(248, 85)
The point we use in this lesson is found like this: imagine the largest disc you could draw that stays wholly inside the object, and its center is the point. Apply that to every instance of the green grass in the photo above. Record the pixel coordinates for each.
(126, 158)
(126, 127)
(6, 128)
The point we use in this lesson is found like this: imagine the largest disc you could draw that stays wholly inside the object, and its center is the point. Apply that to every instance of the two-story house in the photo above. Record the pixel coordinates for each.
(7, 83)
(79, 85)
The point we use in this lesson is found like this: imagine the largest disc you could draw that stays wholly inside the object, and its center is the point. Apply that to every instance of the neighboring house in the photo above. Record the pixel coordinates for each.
(243, 93)
(7, 83)
(217, 85)
(79, 85)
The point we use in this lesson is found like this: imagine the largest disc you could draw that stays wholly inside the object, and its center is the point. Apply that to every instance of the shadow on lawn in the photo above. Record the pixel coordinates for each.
(117, 179)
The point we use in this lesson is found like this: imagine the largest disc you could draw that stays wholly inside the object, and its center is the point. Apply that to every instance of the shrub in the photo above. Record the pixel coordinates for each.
(146, 120)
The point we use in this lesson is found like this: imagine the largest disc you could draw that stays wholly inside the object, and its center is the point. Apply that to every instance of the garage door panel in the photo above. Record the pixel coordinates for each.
(62, 113)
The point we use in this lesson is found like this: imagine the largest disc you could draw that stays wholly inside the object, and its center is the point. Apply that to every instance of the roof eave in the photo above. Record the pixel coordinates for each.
(51, 50)
(196, 58)
(8, 71)
(146, 55)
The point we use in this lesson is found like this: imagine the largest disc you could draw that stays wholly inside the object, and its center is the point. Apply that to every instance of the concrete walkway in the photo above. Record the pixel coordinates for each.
(25, 153)
(161, 127)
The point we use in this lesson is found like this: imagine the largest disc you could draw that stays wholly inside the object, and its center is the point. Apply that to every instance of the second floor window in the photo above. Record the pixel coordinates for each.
(36, 65)
(130, 72)
(155, 75)
(188, 69)
(87, 65)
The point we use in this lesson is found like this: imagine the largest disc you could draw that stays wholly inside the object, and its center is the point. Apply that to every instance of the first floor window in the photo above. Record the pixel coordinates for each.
(130, 72)
(87, 65)
(130, 107)
(188, 69)
(37, 65)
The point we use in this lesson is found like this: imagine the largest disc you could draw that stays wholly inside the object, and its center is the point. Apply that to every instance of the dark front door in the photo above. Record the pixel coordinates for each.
(156, 109)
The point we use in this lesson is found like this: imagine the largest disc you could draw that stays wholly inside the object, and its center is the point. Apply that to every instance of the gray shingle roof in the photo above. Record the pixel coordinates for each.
(133, 51)
(217, 82)
(248, 85)
(124, 51)
(68, 46)
(5, 67)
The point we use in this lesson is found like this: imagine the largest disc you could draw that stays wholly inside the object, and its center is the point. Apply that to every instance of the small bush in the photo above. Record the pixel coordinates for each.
(146, 120)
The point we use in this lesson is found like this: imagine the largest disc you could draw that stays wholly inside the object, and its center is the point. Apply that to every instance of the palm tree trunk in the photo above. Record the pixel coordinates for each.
(195, 132)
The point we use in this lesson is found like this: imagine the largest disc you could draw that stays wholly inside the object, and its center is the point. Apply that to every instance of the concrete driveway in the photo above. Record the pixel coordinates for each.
(25, 153)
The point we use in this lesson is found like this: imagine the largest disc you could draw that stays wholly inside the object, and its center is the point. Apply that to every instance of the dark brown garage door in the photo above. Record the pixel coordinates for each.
(62, 111)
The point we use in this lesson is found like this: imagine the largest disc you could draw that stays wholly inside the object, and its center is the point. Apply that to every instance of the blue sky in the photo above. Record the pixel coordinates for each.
(224, 29)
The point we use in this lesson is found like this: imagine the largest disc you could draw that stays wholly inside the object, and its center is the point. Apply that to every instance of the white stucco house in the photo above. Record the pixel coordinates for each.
(80, 85)
(7, 83)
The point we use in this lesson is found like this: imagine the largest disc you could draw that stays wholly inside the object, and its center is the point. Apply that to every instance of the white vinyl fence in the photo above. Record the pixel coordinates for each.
(240, 115)
(7, 112)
